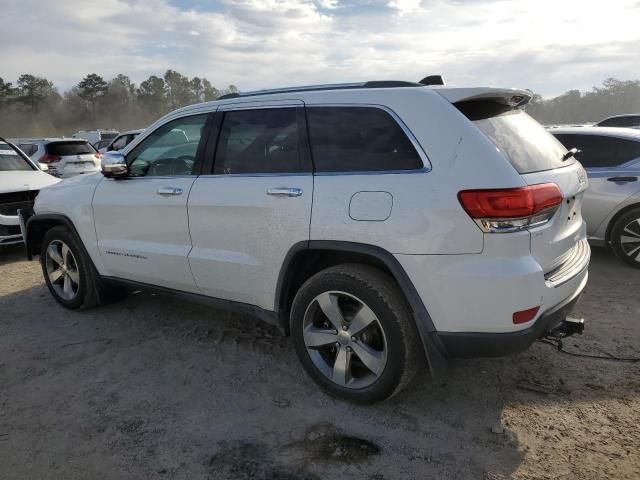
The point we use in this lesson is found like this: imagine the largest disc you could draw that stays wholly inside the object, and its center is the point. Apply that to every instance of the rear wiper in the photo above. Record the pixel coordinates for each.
(570, 153)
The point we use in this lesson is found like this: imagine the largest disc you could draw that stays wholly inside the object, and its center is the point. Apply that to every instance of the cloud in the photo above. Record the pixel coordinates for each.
(544, 45)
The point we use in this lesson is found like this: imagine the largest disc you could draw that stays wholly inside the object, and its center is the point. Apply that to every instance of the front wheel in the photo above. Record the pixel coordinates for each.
(625, 237)
(353, 333)
(69, 273)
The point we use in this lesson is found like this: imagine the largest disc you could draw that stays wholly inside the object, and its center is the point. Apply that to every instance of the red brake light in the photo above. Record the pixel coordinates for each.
(48, 158)
(525, 316)
(510, 202)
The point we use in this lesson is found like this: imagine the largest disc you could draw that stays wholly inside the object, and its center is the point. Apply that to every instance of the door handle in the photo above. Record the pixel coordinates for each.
(285, 192)
(168, 191)
(622, 179)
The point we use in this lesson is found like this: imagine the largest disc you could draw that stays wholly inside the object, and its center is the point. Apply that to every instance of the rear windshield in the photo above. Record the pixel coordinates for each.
(522, 140)
(11, 160)
(69, 148)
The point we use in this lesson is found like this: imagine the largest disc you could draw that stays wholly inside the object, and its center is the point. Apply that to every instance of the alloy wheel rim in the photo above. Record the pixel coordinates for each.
(630, 239)
(62, 270)
(345, 339)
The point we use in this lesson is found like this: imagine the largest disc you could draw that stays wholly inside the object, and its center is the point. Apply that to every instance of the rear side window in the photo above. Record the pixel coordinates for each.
(260, 141)
(522, 140)
(601, 151)
(355, 139)
(62, 149)
(28, 148)
(630, 121)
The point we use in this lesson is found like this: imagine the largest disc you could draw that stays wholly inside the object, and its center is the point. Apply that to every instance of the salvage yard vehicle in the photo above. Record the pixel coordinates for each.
(94, 136)
(380, 224)
(20, 181)
(121, 141)
(611, 205)
(64, 157)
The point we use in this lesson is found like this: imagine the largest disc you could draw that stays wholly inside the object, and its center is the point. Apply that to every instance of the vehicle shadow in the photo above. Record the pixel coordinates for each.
(156, 384)
(12, 253)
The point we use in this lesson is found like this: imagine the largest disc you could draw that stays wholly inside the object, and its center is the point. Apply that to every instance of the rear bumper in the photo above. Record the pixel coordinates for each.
(465, 344)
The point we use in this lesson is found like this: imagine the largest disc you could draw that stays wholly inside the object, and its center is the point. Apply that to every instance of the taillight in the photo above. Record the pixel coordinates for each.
(510, 209)
(48, 158)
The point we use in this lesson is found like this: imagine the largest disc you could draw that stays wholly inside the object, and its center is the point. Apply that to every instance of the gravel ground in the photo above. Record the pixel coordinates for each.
(155, 387)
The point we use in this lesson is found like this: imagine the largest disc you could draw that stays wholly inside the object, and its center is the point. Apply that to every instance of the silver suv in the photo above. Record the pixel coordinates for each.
(64, 157)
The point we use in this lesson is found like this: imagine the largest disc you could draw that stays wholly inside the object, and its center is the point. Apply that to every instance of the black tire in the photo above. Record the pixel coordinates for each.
(89, 291)
(628, 252)
(380, 293)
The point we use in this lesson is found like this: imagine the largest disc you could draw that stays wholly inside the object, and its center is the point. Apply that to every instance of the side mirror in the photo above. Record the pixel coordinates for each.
(114, 165)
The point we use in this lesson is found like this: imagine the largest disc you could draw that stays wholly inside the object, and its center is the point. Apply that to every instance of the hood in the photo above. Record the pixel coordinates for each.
(19, 181)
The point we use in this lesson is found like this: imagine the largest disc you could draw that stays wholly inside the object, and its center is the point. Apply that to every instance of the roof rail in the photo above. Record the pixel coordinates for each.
(316, 88)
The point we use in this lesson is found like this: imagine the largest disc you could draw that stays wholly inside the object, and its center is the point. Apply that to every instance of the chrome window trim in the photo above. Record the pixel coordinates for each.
(426, 162)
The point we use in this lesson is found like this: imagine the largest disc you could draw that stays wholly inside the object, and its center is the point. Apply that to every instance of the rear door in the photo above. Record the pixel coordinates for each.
(254, 205)
(613, 178)
(538, 157)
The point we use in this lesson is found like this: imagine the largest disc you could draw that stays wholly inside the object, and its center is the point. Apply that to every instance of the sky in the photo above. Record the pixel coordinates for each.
(549, 46)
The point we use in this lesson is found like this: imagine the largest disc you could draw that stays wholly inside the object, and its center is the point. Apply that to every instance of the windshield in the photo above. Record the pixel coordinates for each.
(522, 140)
(11, 160)
(69, 148)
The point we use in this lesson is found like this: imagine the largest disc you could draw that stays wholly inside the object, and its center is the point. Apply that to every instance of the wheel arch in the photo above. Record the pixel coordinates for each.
(614, 219)
(305, 259)
(36, 227)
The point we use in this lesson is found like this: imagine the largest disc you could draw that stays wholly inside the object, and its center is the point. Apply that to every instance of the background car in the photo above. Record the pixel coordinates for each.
(611, 157)
(630, 121)
(94, 136)
(119, 142)
(20, 181)
(64, 157)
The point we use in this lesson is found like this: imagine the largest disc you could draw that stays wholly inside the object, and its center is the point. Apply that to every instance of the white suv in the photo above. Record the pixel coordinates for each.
(379, 224)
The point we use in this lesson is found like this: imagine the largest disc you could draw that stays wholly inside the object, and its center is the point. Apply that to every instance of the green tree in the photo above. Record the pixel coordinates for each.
(209, 92)
(6, 92)
(152, 94)
(91, 88)
(179, 91)
(35, 92)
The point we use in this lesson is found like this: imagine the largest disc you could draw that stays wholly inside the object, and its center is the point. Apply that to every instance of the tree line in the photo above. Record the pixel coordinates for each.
(33, 105)
(614, 97)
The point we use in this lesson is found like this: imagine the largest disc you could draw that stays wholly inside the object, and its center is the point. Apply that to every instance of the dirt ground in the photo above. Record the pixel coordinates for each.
(155, 387)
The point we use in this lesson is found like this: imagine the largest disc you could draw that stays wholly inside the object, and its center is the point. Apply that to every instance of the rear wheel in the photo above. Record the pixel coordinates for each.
(625, 237)
(353, 333)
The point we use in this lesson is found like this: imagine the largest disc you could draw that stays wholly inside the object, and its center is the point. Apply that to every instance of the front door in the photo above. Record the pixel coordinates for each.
(141, 221)
(256, 204)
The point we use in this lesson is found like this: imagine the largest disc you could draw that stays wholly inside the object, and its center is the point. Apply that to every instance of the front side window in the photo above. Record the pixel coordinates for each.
(170, 150)
(11, 160)
(601, 151)
(351, 139)
(260, 141)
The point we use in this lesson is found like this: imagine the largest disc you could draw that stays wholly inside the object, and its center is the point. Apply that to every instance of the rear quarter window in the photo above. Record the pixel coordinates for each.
(522, 140)
(353, 139)
(69, 148)
(28, 148)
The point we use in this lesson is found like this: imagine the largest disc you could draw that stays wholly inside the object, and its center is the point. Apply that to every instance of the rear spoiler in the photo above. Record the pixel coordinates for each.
(512, 97)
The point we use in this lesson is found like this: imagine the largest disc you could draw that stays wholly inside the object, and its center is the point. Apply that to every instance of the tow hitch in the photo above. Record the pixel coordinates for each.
(569, 326)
